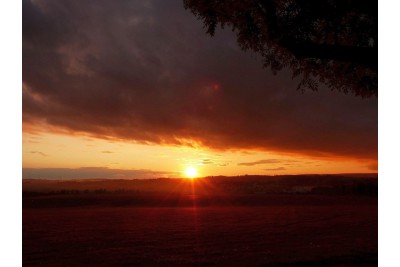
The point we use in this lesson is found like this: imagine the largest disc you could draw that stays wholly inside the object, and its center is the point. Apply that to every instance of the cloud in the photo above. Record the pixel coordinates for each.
(276, 169)
(91, 173)
(107, 152)
(266, 161)
(207, 161)
(39, 153)
(373, 166)
(216, 162)
(146, 71)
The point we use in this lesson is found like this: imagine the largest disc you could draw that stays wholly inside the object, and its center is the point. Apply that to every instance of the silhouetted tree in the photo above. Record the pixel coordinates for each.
(328, 41)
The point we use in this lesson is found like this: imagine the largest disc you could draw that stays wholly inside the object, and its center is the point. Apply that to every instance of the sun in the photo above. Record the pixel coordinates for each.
(191, 172)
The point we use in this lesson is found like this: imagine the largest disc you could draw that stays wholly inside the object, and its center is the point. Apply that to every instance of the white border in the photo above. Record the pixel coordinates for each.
(11, 133)
(389, 134)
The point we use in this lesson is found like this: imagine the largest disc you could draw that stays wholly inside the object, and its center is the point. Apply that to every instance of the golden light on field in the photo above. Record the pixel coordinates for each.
(191, 172)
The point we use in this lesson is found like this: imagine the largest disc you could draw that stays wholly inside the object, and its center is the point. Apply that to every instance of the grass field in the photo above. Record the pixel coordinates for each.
(325, 232)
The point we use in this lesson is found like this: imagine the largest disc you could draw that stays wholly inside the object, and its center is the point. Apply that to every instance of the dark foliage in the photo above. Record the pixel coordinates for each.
(324, 42)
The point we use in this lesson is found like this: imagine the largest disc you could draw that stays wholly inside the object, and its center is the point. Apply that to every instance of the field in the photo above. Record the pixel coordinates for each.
(153, 229)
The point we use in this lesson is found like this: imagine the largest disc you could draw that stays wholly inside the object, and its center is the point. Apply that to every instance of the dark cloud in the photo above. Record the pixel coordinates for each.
(107, 152)
(91, 173)
(146, 71)
(39, 153)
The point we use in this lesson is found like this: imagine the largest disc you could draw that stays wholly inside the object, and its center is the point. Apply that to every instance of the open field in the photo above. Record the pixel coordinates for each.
(328, 234)
(240, 221)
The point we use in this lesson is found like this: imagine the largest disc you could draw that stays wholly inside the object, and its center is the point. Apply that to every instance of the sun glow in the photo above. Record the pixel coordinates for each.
(191, 172)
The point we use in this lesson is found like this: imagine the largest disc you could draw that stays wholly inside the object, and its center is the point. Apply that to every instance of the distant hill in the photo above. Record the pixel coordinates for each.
(216, 185)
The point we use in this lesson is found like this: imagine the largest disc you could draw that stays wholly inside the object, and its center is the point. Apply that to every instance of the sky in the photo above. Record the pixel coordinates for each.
(137, 89)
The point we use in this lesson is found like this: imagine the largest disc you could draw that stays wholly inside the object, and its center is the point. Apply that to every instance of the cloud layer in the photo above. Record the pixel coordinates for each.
(265, 161)
(146, 71)
(91, 172)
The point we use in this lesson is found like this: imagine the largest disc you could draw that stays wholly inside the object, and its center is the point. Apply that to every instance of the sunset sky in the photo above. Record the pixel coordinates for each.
(136, 89)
